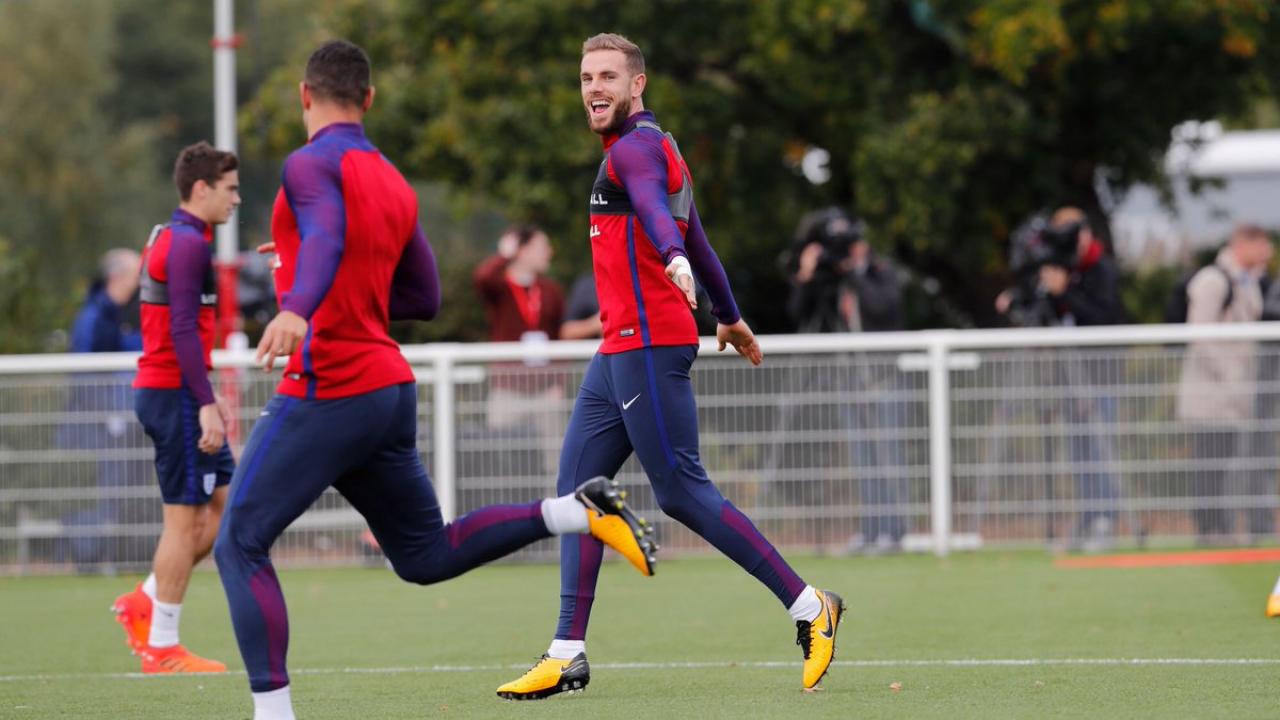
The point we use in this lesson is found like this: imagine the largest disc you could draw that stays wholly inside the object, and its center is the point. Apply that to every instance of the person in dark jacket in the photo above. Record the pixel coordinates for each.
(1082, 291)
(100, 404)
(841, 285)
(105, 323)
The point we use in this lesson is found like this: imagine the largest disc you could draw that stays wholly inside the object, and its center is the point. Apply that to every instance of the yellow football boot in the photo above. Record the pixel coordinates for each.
(1273, 606)
(547, 677)
(818, 638)
(613, 523)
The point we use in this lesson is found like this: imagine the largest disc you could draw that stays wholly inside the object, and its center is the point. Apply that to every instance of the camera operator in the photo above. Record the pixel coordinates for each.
(840, 285)
(1066, 278)
(1065, 275)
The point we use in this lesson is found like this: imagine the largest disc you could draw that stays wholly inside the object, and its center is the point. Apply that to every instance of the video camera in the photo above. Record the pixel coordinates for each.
(832, 228)
(1035, 244)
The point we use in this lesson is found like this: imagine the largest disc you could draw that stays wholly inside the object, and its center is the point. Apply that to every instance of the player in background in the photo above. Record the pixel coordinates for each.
(637, 396)
(177, 407)
(352, 257)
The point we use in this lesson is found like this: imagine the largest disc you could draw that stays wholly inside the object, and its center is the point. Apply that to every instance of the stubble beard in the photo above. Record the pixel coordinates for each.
(621, 111)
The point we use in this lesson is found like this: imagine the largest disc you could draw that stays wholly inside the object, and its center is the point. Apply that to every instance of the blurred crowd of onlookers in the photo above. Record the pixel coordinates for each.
(1062, 275)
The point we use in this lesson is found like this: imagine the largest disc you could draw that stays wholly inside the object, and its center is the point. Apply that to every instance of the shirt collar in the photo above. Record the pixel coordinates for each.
(182, 216)
(628, 126)
(350, 129)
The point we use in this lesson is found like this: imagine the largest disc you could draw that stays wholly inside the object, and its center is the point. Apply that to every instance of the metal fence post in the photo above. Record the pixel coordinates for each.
(443, 432)
(940, 444)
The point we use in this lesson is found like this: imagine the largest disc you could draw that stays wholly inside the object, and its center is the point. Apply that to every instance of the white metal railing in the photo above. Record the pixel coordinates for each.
(1020, 437)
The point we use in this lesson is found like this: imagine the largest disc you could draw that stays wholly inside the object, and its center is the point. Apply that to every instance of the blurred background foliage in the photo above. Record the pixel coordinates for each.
(947, 122)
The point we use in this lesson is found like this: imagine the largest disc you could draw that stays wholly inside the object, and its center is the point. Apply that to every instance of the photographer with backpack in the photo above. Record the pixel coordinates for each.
(1217, 397)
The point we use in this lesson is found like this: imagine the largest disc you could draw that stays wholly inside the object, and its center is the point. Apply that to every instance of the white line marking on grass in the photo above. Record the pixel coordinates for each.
(767, 664)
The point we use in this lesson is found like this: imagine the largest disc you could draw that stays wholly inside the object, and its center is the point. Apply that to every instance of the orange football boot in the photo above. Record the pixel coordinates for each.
(177, 659)
(133, 612)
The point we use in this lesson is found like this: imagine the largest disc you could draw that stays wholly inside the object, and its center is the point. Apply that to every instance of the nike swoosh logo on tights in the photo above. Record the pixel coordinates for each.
(628, 403)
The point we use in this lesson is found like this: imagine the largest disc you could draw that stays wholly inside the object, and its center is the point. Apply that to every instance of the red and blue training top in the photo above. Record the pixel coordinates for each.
(178, 297)
(643, 216)
(351, 259)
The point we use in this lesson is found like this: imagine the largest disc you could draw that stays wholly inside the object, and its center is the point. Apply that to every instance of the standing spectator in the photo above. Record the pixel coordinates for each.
(1217, 397)
(1260, 519)
(1077, 284)
(100, 404)
(523, 305)
(105, 323)
(521, 302)
(840, 285)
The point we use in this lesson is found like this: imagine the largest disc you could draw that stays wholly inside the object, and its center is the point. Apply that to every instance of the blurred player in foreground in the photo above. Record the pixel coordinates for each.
(637, 396)
(352, 257)
(177, 407)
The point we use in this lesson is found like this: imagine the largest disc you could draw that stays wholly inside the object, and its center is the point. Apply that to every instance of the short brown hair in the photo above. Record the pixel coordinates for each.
(1249, 231)
(201, 161)
(339, 71)
(613, 41)
(523, 233)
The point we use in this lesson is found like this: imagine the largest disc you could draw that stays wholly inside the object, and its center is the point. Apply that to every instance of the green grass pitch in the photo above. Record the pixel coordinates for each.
(700, 640)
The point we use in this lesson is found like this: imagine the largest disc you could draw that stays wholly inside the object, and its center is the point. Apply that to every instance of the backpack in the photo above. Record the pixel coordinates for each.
(1175, 309)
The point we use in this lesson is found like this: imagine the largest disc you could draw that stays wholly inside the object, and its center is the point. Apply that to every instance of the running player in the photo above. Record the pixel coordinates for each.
(646, 243)
(177, 407)
(352, 257)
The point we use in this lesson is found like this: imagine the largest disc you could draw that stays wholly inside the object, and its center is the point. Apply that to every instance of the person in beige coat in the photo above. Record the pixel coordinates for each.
(1216, 397)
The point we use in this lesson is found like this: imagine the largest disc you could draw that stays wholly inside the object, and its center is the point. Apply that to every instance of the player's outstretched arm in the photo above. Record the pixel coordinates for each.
(742, 339)
(641, 169)
(415, 287)
(706, 264)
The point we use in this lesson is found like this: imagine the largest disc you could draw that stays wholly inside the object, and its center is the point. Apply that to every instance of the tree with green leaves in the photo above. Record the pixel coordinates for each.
(947, 121)
(98, 99)
(72, 184)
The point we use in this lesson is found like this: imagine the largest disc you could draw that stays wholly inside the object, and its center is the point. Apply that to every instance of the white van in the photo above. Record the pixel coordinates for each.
(1236, 176)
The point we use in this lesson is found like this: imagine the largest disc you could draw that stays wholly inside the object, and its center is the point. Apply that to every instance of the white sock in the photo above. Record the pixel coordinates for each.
(1276, 589)
(273, 705)
(164, 624)
(564, 514)
(566, 649)
(807, 606)
(149, 586)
